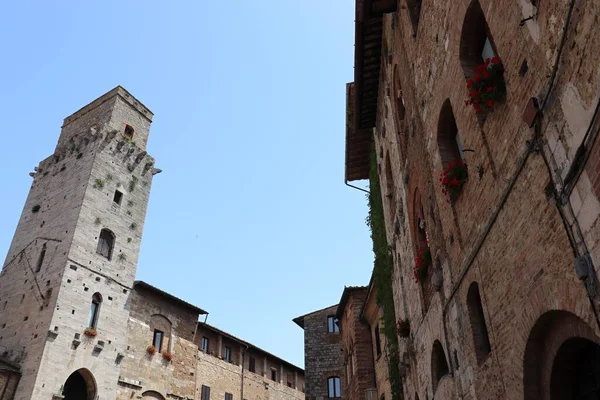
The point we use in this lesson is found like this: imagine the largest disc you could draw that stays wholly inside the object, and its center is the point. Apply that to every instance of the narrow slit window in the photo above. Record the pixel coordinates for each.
(273, 374)
(227, 354)
(94, 310)
(204, 345)
(157, 340)
(252, 364)
(40, 261)
(377, 342)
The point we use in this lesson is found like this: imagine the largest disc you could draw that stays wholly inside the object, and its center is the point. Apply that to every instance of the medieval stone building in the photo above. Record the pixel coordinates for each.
(74, 323)
(479, 120)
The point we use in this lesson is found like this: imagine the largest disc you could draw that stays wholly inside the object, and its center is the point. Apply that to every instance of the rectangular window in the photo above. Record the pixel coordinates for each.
(228, 396)
(332, 325)
(334, 389)
(273, 374)
(377, 342)
(204, 345)
(289, 384)
(118, 197)
(227, 354)
(157, 340)
(205, 393)
(252, 364)
(353, 365)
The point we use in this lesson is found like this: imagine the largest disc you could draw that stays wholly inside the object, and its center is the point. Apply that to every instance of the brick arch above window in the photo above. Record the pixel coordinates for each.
(161, 327)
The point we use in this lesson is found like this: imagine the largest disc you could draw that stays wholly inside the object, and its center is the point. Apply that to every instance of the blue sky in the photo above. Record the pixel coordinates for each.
(250, 219)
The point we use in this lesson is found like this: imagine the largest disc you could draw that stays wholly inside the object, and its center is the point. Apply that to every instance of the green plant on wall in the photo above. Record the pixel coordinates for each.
(133, 226)
(109, 177)
(122, 257)
(99, 183)
(133, 183)
(382, 277)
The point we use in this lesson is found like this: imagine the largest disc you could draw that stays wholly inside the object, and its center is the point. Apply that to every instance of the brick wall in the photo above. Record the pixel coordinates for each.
(357, 347)
(504, 231)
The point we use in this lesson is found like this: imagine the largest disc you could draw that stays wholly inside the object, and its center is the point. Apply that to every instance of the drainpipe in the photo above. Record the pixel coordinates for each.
(355, 187)
(242, 380)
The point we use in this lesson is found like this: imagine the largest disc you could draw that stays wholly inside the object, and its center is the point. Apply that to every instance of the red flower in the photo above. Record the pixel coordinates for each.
(477, 78)
(467, 102)
(490, 103)
(490, 88)
(477, 108)
(470, 83)
(473, 94)
(485, 74)
(487, 62)
(495, 60)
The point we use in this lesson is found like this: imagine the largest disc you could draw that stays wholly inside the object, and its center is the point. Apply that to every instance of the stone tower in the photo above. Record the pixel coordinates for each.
(65, 284)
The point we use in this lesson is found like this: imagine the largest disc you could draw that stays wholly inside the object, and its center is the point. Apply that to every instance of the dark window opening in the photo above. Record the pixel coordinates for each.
(289, 384)
(205, 393)
(157, 340)
(377, 342)
(479, 330)
(332, 325)
(439, 365)
(94, 310)
(118, 197)
(204, 344)
(227, 356)
(414, 12)
(40, 261)
(128, 132)
(228, 396)
(252, 364)
(449, 143)
(476, 43)
(106, 243)
(273, 374)
(334, 389)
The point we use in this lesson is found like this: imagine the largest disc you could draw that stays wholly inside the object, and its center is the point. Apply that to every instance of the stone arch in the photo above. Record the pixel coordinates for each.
(481, 339)
(449, 144)
(439, 365)
(80, 385)
(476, 42)
(162, 324)
(152, 395)
(561, 352)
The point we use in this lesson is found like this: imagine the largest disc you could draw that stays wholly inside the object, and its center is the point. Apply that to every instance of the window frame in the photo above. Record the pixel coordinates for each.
(227, 354)
(334, 386)
(202, 342)
(205, 392)
(332, 324)
(106, 240)
(252, 364)
(94, 310)
(161, 335)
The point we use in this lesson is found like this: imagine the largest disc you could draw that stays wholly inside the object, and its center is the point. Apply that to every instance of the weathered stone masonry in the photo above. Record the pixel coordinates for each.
(502, 304)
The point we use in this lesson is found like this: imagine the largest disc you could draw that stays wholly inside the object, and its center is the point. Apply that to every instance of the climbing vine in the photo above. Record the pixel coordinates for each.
(382, 277)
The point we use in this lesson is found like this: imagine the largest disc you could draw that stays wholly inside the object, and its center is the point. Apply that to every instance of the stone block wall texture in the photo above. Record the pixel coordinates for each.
(53, 270)
(505, 231)
(323, 355)
(357, 347)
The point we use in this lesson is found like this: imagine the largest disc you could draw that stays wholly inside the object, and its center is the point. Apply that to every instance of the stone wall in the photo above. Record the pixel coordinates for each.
(505, 231)
(322, 353)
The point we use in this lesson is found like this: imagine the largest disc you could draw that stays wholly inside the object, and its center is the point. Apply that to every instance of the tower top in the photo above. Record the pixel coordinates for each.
(117, 110)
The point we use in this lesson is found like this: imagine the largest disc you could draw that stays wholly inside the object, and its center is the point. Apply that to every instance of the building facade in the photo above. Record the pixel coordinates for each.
(323, 356)
(479, 119)
(74, 323)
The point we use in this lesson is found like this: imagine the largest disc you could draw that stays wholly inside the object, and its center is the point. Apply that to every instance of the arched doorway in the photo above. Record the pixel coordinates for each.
(562, 359)
(152, 395)
(576, 371)
(80, 385)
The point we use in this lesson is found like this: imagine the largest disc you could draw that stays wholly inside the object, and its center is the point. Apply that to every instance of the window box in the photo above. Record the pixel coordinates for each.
(453, 179)
(90, 332)
(167, 356)
(422, 263)
(487, 86)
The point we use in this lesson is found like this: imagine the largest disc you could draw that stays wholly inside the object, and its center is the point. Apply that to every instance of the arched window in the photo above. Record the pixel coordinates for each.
(479, 330)
(414, 12)
(419, 220)
(398, 99)
(476, 43)
(161, 332)
(106, 243)
(390, 191)
(449, 142)
(439, 365)
(334, 389)
(128, 132)
(94, 310)
(40, 261)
